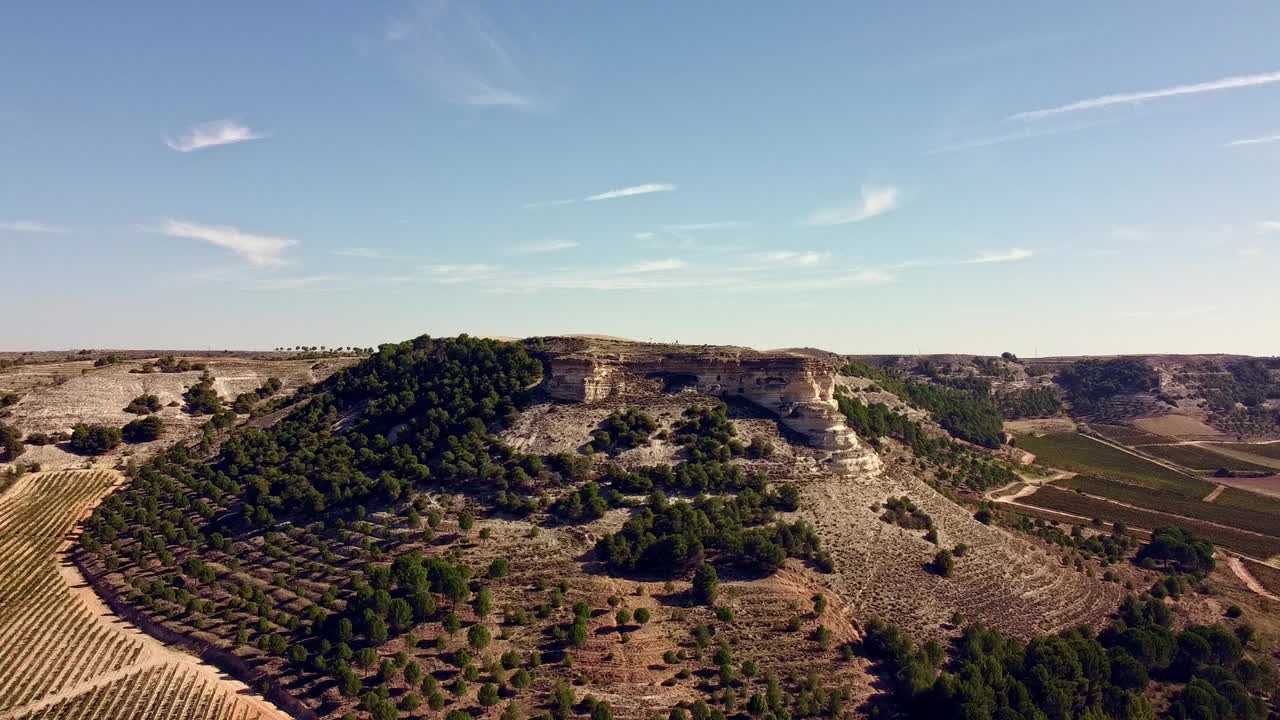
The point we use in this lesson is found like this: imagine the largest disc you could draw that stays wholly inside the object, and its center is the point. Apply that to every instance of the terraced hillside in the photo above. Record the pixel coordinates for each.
(61, 654)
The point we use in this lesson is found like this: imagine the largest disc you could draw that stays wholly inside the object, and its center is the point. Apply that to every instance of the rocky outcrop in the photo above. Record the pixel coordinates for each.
(798, 388)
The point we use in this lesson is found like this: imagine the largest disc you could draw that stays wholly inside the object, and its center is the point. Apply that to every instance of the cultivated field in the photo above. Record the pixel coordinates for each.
(1268, 450)
(62, 655)
(1231, 507)
(1086, 456)
(1126, 435)
(1197, 457)
(1083, 506)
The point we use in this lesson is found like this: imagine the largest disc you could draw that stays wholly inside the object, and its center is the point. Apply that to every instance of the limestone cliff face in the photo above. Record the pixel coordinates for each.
(799, 389)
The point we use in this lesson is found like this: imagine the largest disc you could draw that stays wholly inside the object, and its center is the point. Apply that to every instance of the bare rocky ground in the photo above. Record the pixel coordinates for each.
(54, 397)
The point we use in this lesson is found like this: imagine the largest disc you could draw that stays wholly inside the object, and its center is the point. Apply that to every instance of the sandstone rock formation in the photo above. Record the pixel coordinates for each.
(798, 388)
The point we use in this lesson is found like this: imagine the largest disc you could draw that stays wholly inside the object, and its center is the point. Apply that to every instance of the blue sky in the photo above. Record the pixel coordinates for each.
(1091, 178)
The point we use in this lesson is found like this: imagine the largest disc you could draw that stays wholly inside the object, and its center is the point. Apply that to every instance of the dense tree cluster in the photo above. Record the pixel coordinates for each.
(245, 402)
(1248, 381)
(967, 411)
(144, 404)
(10, 443)
(666, 537)
(958, 465)
(202, 398)
(1034, 402)
(1076, 674)
(416, 413)
(1109, 547)
(708, 434)
(142, 430)
(94, 439)
(963, 414)
(1176, 548)
(583, 504)
(901, 511)
(437, 398)
(1089, 382)
(692, 477)
(168, 364)
(622, 430)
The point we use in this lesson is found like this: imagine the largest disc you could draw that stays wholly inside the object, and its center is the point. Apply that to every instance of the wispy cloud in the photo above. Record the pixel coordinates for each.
(645, 189)
(257, 250)
(791, 258)
(1261, 140)
(359, 252)
(1268, 226)
(1228, 83)
(993, 140)
(30, 226)
(982, 258)
(549, 203)
(795, 271)
(460, 273)
(699, 227)
(873, 201)
(548, 246)
(1001, 256)
(644, 235)
(219, 132)
(648, 266)
(295, 283)
(1129, 233)
(462, 55)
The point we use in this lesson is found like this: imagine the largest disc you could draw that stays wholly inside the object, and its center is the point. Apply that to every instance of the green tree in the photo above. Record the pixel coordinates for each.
(142, 430)
(94, 439)
(10, 442)
(478, 636)
(943, 563)
(706, 582)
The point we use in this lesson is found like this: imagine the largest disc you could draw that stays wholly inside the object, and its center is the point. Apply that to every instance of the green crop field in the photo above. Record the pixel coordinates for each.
(1126, 435)
(1198, 458)
(1052, 498)
(1245, 500)
(1233, 507)
(1077, 453)
(1267, 450)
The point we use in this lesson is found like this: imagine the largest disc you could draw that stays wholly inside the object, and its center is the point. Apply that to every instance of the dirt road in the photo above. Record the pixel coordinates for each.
(1249, 580)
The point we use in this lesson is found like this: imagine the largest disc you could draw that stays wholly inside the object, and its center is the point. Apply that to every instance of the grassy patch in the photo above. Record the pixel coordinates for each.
(1051, 498)
(1198, 458)
(1233, 507)
(1077, 453)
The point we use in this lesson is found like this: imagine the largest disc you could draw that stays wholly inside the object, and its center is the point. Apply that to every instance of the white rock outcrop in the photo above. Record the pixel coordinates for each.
(799, 389)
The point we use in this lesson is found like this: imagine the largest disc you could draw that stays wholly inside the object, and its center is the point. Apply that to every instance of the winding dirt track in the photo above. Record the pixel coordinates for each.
(1248, 579)
(91, 653)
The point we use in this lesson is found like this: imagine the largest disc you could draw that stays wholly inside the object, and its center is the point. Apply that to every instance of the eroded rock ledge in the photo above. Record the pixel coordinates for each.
(798, 387)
